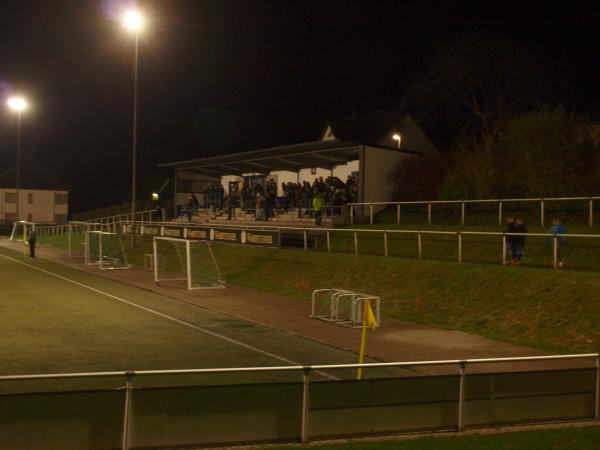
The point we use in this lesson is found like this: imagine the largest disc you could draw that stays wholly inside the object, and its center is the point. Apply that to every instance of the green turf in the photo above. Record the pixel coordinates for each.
(53, 326)
(565, 439)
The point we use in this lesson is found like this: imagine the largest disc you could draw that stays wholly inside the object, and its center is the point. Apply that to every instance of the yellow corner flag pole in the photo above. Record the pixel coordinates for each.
(368, 321)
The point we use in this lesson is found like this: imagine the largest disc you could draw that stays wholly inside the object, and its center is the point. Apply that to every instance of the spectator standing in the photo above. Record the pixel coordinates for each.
(31, 240)
(558, 230)
(318, 203)
(518, 242)
(510, 228)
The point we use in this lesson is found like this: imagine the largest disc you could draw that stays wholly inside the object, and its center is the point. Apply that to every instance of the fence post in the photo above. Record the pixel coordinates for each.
(305, 405)
(542, 212)
(127, 410)
(462, 213)
(351, 214)
(555, 251)
(459, 247)
(597, 401)
(328, 242)
(503, 249)
(461, 395)
(591, 218)
(429, 213)
(355, 243)
(385, 244)
(305, 242)
(371, 214)
(500, 213)
(419, 245)
(398, 214)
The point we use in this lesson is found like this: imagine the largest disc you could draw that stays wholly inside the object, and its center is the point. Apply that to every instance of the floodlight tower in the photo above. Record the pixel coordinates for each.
(133, 21)
(398, 138)
(18, 105)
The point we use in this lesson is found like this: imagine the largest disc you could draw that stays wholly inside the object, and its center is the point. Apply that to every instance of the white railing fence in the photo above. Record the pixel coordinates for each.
(369, 210)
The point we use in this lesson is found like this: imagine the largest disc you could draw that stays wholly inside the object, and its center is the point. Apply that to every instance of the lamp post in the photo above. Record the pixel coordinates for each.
(398, 138)
(18, 104)
(133, 21)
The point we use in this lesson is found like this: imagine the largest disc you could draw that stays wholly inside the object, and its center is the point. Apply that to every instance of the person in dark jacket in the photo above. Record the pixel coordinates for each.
(510, 228)
(31, 240)
(518, 242)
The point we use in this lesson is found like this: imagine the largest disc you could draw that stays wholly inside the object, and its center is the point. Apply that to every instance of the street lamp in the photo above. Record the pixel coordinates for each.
(398, 138)
(18, 104)
(133, 21)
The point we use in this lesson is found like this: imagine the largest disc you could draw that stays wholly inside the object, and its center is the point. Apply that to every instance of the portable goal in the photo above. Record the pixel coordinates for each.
(105, 250)
(21, 230)
(76, 237)
(182, 260)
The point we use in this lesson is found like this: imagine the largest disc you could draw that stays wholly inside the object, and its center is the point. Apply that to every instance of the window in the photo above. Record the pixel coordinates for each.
(61, 199)
(29, 217)
(60, 218)
(10, 197)
(30, 199)
(10, 217)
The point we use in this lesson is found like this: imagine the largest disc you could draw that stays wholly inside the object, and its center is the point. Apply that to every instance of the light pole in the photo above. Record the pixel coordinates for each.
(133, 21)
(398, 138)
(18, 104)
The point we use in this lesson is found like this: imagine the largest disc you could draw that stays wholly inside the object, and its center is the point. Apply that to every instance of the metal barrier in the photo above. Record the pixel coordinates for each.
(334, 307)
(131, 415)
(355, 208)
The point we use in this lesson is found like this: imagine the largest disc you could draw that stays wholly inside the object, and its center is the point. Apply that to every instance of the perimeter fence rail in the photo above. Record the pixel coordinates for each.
(573, 210)
(576, 251)
(171, 408)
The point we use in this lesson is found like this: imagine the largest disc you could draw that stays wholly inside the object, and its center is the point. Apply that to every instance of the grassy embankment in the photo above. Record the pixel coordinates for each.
(539, 307)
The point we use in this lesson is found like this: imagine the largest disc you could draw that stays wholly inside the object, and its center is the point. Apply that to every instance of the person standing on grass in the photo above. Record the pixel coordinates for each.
(557, 230)
(31, 240)
(518, 242)
(510, 228)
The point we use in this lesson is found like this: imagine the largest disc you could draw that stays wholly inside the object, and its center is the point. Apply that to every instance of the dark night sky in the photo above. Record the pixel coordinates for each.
(218, 76)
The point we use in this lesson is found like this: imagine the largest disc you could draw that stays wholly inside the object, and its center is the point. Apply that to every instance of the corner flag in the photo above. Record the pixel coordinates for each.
(369, 321)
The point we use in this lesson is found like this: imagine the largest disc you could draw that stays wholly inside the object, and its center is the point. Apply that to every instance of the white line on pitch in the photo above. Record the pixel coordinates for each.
(164, 316)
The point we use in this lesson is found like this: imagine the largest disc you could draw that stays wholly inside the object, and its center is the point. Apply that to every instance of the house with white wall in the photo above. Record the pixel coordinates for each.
(41, 197)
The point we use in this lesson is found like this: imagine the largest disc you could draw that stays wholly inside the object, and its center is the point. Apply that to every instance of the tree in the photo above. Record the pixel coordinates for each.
(543, 153)
(476, 84)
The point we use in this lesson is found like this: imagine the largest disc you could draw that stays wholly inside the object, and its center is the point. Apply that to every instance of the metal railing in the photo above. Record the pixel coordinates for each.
(357, 209)
(586, 398)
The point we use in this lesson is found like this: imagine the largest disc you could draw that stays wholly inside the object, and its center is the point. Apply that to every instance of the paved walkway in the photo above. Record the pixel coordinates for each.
(395, 340)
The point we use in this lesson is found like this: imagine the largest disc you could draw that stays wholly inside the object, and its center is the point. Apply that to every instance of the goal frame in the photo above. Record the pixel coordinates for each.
(13, 233)
(219, 283)
(87, 226)
(102, 265)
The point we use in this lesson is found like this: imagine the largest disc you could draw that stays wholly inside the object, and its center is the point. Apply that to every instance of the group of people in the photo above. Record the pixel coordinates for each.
(263, 201)
(516, 234)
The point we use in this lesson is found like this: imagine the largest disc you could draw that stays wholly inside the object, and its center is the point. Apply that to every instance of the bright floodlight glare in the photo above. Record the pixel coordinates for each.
(133, 20)
(396, 137)
(17, 104)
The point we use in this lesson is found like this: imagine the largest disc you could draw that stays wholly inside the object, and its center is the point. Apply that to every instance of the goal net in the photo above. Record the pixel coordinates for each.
(105, 250)
(185, 261)
(76, 237)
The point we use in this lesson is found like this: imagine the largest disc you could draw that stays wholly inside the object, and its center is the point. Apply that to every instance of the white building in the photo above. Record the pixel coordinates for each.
(367, 146)
(41, 198)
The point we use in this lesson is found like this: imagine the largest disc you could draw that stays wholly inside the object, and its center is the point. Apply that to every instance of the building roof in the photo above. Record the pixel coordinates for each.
(368, 128)
(34, 175)
(323, 154)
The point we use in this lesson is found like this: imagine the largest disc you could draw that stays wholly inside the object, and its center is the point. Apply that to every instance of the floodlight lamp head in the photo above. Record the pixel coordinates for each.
(133, 20)
(17, 104)
(396, 137)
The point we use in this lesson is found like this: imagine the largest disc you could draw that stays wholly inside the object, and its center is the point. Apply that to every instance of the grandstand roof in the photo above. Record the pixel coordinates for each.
(323, 154)
(367, 128)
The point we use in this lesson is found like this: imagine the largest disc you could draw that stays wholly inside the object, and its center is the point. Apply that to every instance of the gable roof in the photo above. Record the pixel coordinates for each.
(368, 128)
(34, 175)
